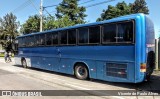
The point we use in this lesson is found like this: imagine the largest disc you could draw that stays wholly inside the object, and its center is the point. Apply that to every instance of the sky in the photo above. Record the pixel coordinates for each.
(25, 8)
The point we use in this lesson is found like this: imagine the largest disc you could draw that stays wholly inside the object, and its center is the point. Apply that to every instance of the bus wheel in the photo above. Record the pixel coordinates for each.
(81, 71)
(24, 63)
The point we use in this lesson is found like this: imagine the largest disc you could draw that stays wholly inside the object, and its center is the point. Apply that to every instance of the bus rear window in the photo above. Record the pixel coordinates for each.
(149, 32)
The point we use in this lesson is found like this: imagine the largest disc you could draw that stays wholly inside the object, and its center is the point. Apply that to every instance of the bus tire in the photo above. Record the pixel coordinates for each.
(81, 71)
(24, 63)
(150, 65)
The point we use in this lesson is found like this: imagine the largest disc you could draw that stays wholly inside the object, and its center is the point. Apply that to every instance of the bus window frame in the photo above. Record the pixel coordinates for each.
(55, 33)
(100, 34)
(78, 36)
(119, 43)
(68, 37)
(59, 32)
(49, 33)
(133, 30)
(39, 42)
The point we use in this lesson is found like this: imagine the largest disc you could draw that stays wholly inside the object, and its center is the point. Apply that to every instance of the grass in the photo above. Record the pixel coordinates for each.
(1, 55)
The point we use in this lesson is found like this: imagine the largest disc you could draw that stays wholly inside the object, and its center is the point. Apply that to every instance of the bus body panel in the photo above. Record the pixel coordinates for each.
(95, 57)
(112, 62)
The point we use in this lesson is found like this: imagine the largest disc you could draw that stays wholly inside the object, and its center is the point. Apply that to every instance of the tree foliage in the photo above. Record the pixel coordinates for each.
(8, 29)
(122, 8)
(31, 25)
(69, 9)
(63, 22)
(49, 23)
(139, 6)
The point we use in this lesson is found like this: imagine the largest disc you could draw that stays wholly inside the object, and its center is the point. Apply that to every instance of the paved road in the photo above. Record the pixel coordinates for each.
(18, 78)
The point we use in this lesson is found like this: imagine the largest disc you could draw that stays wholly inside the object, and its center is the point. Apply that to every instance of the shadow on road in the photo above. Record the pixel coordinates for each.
(153, 85)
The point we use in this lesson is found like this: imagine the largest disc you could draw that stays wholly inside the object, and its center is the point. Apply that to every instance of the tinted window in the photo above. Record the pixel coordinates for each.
(27, 40)
(49, 39)
(36, 43)
(94, 34)
(23, 42)
(109, 33)
(63, 37)
(83, 35)
(55, 38)
(150, 33)
(125, 32)
(20, 42)
(42, 39)
(30, 41)
(71, 36)
(33, 41)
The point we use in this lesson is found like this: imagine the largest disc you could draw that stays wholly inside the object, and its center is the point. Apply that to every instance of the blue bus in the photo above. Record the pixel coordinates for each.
(116, 50)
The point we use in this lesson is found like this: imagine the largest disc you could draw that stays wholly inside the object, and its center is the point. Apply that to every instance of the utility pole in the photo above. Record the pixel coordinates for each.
(41, 16)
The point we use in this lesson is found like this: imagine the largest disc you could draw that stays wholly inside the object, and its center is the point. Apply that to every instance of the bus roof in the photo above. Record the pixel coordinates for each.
(121, 18)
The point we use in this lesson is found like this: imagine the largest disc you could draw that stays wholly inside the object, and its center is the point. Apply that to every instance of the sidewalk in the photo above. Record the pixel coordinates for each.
(3, 61)
(156, 73)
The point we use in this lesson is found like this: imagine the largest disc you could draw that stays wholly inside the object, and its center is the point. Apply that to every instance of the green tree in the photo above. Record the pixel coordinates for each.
(119, 10)
(31, 25)
(139, 6)
(70, 9)
(49, 23)
(8, 30)
(63, 22)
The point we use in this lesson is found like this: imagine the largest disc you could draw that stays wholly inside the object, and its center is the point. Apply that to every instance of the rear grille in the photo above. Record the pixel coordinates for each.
(116, 70)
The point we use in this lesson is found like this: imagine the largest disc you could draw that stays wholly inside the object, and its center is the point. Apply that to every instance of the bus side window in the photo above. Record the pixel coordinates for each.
(42, 40)
(94, 35)
(109, 33)
(36, 43)
(125, 32)
(83, 35)
(20, 44)
(72, 37)
(55, 38)
(23, 42)
(49, 39)
(63, 37)
(32, 41)
(27, 41)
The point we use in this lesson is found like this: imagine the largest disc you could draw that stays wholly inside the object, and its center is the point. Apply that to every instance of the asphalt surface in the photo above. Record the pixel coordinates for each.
(18, 78)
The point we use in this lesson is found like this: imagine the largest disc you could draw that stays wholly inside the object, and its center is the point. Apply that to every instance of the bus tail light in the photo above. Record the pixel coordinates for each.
(143, 67)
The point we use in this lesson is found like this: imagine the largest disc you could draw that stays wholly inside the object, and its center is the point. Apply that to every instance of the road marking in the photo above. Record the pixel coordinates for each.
(75, 86)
